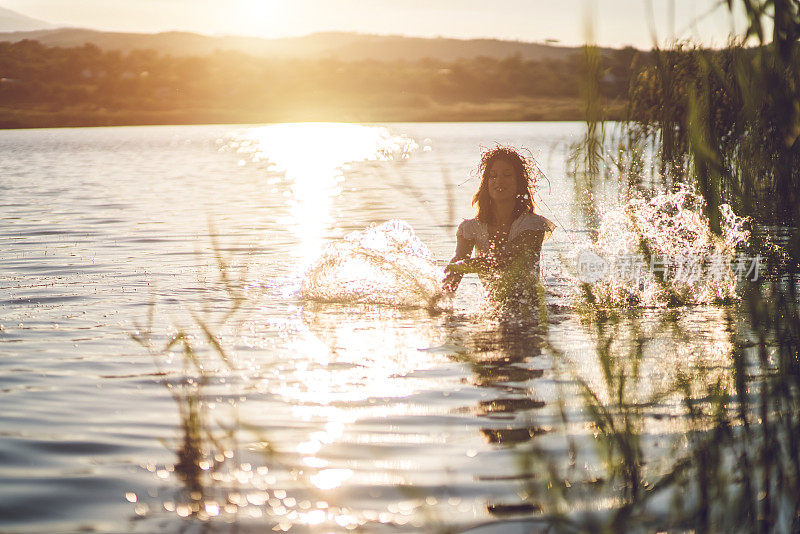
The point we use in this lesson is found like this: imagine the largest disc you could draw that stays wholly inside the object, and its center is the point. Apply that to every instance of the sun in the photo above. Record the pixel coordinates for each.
(263, 17)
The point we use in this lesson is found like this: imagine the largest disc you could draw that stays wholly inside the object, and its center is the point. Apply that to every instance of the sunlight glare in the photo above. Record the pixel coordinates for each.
(312, 156)
(331, 478)
(394, 352)
(262, 17)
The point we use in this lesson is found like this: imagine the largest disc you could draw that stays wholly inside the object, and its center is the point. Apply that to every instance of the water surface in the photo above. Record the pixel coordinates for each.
(324, 416)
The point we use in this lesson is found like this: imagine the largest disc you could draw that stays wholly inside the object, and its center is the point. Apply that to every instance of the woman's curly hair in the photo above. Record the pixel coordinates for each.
(527, 173)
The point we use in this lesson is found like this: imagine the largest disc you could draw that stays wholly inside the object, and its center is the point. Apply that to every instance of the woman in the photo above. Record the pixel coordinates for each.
(507, 234)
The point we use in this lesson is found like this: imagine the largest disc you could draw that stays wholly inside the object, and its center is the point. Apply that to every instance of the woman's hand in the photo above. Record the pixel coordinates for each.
(452, 276)
(458, 265)
(455, 270)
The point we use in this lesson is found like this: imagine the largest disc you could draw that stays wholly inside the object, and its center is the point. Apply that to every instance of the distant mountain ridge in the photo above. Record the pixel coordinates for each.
(338, 45)
(11, 21)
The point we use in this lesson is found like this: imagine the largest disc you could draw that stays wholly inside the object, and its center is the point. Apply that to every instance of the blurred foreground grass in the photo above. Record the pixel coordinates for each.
(725, 123)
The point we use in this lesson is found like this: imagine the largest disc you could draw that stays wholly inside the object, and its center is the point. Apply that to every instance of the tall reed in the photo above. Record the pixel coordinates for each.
(726, 121)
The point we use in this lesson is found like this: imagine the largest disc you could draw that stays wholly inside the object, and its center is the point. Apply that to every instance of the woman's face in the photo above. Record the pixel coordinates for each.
(502, 181)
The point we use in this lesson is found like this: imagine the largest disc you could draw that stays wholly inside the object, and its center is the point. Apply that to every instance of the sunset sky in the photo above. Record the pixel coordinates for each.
(616, 22)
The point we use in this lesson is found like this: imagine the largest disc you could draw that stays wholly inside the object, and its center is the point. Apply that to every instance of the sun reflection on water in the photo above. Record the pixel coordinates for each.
(312, 157)
(358, 358)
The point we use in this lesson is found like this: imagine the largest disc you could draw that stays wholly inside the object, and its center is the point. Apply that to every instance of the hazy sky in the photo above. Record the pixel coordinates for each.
(616, 22)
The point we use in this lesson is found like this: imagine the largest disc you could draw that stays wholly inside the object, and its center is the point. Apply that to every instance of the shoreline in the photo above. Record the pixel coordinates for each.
(516, 110)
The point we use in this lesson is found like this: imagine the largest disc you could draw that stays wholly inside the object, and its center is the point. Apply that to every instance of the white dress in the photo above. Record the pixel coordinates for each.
(477, 232)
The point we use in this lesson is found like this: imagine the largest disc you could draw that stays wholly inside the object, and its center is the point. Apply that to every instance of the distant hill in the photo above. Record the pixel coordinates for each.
(11, 21)
(339, 45)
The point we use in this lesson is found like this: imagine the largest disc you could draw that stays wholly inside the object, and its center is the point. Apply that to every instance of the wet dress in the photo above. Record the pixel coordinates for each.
(477, 233)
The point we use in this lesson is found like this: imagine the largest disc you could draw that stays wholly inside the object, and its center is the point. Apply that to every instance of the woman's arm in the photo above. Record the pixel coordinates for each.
(455, 271)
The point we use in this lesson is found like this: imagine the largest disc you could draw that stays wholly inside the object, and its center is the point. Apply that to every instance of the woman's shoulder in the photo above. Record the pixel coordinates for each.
(533, 222)
(469, 228)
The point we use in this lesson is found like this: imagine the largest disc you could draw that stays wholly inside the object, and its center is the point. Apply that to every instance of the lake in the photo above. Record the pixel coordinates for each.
(270, 411)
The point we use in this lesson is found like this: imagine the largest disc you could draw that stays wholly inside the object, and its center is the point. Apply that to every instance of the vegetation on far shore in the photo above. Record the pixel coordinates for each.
(44, 86)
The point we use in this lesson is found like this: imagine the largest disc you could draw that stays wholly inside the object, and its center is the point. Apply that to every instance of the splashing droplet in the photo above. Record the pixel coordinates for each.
(384, 264)
(662, 252)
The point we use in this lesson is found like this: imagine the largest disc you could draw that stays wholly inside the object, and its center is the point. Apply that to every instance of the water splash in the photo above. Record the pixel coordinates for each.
(383, 264)
(661, 252)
